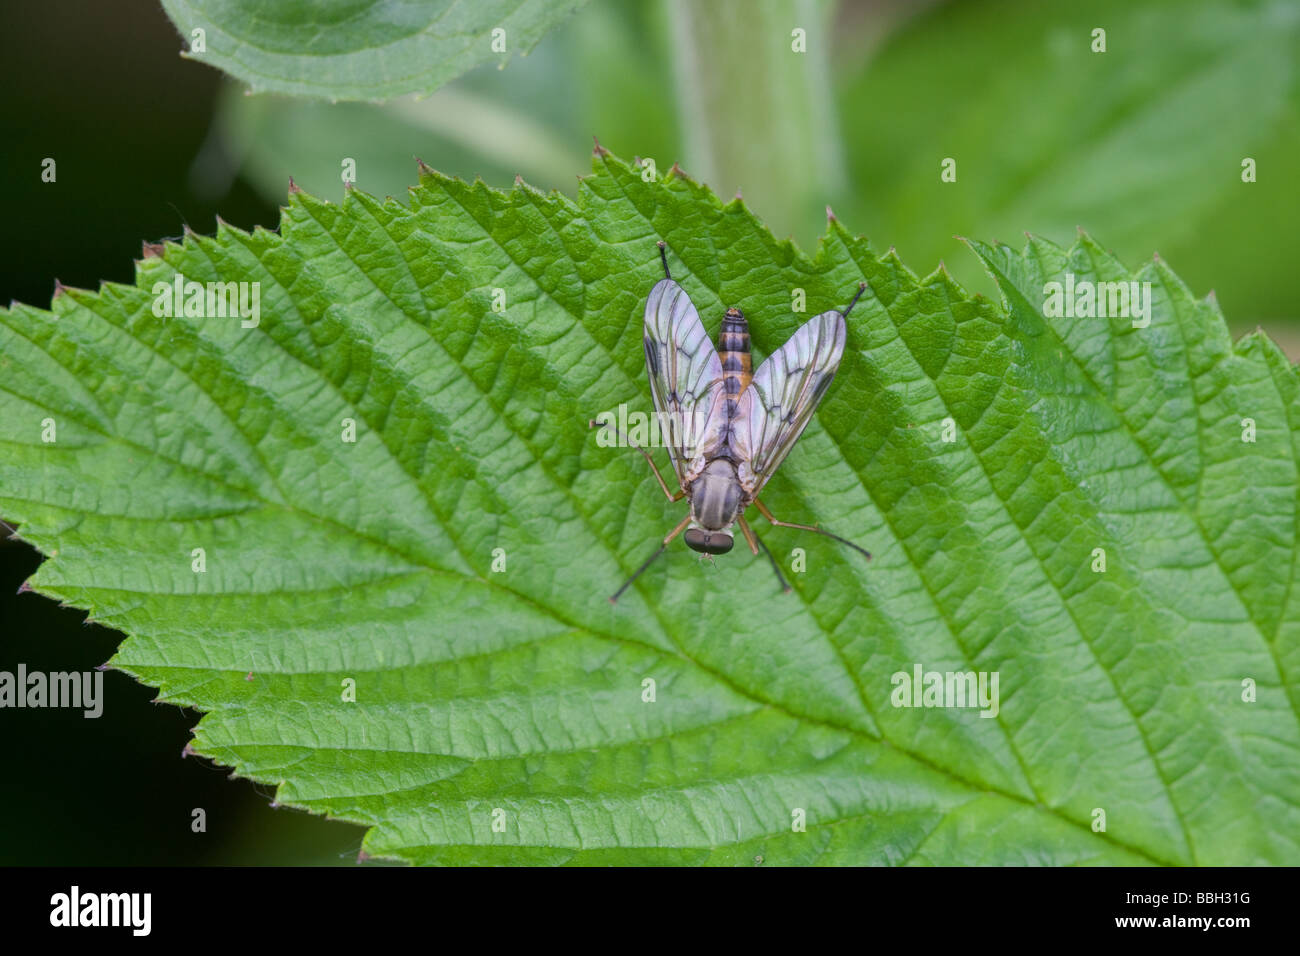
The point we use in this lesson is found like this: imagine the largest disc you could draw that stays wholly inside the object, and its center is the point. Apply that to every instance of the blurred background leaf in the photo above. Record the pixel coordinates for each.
(535, 119)
(1142, 143)
(359, 49)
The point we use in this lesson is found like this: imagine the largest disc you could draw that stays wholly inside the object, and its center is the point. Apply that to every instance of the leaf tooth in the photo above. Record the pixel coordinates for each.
(677, 172)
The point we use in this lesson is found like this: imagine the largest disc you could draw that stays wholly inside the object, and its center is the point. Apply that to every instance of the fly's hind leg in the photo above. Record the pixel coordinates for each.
(755, 542)
(807, 527)
(663, 257)
(644, 454)
(862, 287)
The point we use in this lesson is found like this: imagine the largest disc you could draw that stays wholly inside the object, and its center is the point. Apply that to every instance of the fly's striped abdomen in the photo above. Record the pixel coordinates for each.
(733, 350)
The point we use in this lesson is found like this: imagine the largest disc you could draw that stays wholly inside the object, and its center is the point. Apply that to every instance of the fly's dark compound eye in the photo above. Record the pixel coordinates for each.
(708, 542)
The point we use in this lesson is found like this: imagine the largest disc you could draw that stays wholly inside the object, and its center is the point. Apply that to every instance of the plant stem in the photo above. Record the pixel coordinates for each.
(757, 114)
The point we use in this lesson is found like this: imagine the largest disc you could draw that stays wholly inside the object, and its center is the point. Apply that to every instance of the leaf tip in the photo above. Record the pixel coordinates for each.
(294, 188)
(151, 250)
(24, 587)
(598, 150)
(830, 215)
(188, 750)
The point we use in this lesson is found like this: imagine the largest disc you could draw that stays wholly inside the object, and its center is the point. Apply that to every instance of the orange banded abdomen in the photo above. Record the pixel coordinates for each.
(733, 351)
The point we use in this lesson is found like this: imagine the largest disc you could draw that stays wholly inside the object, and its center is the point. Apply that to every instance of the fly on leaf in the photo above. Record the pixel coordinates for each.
(728, 427)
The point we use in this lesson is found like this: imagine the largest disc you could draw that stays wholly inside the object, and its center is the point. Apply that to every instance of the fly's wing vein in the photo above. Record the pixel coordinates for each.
(785, 391)
(685, 376)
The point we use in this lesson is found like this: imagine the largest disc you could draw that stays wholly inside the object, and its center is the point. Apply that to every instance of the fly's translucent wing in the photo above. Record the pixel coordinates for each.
(776, 407)
(685, 376)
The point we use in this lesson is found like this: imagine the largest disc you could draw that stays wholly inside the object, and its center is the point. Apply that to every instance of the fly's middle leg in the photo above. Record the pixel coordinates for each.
(592, 423)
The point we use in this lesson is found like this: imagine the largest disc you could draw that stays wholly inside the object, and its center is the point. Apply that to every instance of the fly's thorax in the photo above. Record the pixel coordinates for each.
(716, 496)
(733, 351)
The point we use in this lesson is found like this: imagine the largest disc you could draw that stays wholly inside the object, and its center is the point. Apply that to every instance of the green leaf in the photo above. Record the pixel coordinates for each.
(358, 49)
(520, 690)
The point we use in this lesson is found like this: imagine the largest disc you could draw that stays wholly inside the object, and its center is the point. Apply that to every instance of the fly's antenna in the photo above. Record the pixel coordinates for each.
(862, 287)
(664, 256)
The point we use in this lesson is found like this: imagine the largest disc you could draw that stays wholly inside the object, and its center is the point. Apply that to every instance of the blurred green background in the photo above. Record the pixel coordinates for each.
(1142, 145)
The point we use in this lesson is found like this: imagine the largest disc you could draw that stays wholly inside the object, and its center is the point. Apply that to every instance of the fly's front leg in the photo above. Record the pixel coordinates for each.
(644, 454)
(755, 542)
(748, 532)
(613, 598)
(807, 527)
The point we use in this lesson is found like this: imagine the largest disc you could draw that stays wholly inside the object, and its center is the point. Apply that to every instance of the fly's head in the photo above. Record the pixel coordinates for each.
(709, 542)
